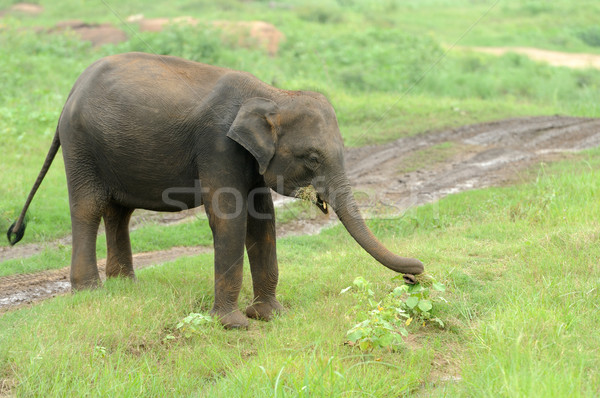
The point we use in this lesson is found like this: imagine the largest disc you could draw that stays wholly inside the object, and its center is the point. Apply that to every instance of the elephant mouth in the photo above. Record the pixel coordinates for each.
(321, 204)
(310, 194)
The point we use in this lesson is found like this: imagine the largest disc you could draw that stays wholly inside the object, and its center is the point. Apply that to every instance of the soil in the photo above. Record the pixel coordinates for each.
(474, 156)
(555, 58)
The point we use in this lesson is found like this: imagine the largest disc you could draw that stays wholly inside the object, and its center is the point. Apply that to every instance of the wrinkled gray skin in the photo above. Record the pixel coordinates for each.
(163, 133)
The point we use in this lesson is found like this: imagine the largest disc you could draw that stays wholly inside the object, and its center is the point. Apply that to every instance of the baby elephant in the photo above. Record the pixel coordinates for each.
(165, 134)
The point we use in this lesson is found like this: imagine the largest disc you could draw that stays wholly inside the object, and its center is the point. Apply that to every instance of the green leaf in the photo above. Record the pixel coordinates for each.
(398, 339)
(361, 282)
(439, 287)
(365, 345)
(412, 302)
(354, 335)
(385, 340)
(425, 305)
(416, 288)
(400, 290)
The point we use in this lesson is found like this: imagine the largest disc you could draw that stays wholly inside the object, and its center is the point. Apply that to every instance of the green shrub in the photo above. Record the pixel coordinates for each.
(590, 36)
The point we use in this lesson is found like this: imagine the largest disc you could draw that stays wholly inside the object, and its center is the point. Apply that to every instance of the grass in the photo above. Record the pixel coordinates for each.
(520, 264)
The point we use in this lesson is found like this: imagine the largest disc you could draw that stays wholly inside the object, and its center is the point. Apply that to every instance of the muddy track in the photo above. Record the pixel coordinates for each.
(383, 176)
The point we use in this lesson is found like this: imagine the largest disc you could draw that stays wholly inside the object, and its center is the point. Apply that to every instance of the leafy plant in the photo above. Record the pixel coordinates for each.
(99, 352)
(386, 320)
(418, 301)
(194, 324)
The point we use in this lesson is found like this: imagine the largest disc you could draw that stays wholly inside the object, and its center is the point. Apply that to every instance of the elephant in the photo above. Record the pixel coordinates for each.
(164, 133)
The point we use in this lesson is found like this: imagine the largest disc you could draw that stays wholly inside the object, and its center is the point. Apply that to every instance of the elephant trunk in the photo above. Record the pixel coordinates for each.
(339, 195)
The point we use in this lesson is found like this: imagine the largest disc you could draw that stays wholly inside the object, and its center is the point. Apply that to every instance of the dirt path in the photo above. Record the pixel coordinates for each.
(393, 177)
(555, 58)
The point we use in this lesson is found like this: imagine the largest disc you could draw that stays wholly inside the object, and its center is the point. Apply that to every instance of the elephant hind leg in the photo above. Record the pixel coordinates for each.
(85, 220)
(119, 260)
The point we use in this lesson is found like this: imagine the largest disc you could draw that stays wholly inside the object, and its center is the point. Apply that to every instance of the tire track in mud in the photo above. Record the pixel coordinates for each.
(480, 155)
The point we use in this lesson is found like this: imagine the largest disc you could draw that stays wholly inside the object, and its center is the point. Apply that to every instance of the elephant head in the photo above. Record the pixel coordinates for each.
(296, 141)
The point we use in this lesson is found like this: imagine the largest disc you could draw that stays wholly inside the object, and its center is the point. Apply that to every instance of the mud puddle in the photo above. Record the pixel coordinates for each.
(395, 177)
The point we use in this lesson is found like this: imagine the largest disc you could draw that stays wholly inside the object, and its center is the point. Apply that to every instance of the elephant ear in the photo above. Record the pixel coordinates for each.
(255, 128)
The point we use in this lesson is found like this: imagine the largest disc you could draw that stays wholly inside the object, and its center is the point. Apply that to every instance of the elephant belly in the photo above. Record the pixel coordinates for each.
(156, 194)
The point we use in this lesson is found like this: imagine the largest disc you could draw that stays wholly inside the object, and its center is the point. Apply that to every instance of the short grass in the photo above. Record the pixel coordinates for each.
(521, 268)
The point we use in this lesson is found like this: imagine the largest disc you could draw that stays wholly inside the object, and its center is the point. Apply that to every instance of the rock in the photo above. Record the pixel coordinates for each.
(252, 34)
(27, 8)
(98, 34)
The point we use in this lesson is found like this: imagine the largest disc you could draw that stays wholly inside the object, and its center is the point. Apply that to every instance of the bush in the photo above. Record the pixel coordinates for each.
(590, 36)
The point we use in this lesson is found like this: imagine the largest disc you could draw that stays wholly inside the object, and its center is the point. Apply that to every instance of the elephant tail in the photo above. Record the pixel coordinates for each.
(17, 229)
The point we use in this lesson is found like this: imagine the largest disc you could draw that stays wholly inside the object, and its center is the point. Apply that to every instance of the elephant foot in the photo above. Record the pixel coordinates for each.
(124, 275)
(120, 271)
(231, 319)
(89, 284)
(264, 309)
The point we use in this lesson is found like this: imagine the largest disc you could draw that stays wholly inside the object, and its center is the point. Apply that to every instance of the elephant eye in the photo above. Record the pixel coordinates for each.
(313, 161)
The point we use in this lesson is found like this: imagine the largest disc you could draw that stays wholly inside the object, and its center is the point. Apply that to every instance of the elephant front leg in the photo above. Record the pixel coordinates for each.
(228, 226)
(262, 253)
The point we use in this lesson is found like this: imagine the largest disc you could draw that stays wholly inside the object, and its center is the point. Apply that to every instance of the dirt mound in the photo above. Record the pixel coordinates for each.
(387, 178)
(98, 34)
(248, 34)
(26, 8)
(252, 34)
(158, 24)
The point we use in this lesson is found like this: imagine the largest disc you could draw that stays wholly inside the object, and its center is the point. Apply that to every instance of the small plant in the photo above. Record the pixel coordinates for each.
(193, 325)
(418, 301)
(386, 320)
(99, 352)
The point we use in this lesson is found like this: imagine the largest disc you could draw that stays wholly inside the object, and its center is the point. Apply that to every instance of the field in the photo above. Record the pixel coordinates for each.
(519, 261)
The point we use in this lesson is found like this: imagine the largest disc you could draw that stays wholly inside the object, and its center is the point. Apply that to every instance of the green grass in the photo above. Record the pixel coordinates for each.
(520, 264)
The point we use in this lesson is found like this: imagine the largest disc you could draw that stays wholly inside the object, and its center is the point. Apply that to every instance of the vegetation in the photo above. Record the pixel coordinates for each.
(385, 322)
(519, 263)
(520, 268)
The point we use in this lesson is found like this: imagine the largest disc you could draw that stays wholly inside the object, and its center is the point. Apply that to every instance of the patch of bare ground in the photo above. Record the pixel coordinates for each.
(555, 58)
(468, 157)
(6, 387)
(24, 8)
(98, 34)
